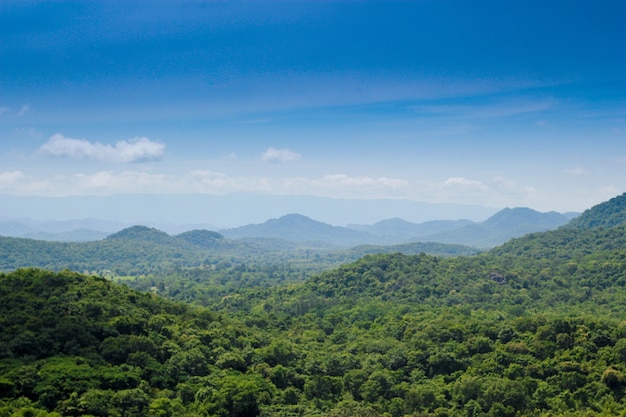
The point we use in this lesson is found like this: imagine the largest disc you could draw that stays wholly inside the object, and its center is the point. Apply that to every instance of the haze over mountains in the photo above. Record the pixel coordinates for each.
(497, 229)
(227, 211)
(502, 226)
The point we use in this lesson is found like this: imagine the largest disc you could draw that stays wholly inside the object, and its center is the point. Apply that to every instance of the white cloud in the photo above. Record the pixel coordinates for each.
(497, 192)
(206, 181)
(10, 178)
(279, 155)
(342, 180)
(503, 183)
(345, 186)
(462, 182)
(133, 150)
(122, 182)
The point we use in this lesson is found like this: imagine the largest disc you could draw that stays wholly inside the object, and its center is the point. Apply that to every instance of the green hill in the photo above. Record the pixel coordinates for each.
(203, 238)
(607, 214)
(140, 250)
(74, 345)
(142, 233)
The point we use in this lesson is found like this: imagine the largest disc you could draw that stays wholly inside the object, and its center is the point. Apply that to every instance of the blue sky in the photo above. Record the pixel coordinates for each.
(519, 103)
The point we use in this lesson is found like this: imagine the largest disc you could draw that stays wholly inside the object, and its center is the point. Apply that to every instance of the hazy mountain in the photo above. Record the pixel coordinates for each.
(398, 230)
(498, 228)
(501, 227)
(227, 211)
(77, 235)
(14, 228)
(299, 228)
(79, 230)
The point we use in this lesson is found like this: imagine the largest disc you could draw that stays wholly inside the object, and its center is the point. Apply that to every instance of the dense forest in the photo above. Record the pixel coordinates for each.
(534, 327)
(140, 250)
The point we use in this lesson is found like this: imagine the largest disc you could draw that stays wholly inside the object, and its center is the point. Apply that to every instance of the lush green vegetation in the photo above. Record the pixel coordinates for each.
(534, 327)
(140, 250)
(608, 214)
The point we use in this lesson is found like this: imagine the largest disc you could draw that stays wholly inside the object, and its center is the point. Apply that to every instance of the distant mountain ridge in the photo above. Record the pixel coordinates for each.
(297, 228)
(79, 230)
(497, 229)
(501, 227)
(398, 228)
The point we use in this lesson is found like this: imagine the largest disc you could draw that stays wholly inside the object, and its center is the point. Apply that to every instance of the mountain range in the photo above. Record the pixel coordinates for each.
(497, 229)
(296, 228)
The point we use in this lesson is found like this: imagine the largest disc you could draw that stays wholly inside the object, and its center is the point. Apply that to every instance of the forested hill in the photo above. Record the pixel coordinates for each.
(79, 345)
(140, 250)
(576, 258)
(607, 214)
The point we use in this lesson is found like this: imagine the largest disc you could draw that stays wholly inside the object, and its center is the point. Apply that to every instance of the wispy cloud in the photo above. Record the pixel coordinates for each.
(25, 109)
(138, 149)
(206, 181)
(577, 171)
(462, 182)
(201, 181)
(342, 185)
(28, 131)
(9, 178)
(121, 182)
(275, 156)
(342, 180)
(487, 109)
(496, 191)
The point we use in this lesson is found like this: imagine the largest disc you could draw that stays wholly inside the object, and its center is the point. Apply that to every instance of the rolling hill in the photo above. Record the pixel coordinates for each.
(141, 250)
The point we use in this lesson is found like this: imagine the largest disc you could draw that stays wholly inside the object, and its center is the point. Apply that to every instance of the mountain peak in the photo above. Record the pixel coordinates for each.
(202, 238)
(140, 233)
(294, 218)
(299, 228)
